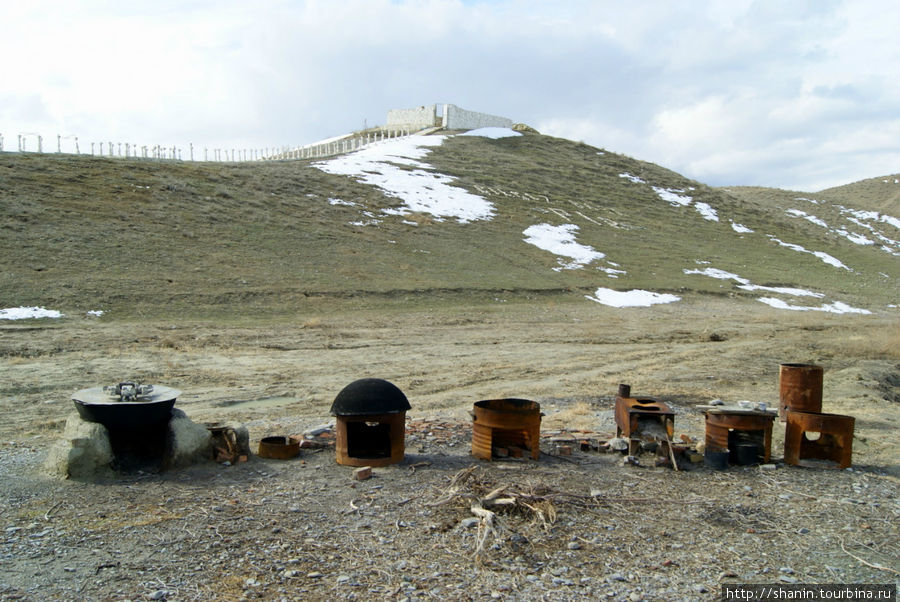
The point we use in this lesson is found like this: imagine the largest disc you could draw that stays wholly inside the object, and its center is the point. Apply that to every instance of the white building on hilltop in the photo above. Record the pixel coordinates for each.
(450, 117)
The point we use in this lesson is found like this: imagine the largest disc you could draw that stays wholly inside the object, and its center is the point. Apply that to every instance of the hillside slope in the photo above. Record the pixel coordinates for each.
(533, 214)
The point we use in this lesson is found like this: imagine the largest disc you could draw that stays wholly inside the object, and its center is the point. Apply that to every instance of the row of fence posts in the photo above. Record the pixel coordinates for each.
(344, 145)
(158, 152)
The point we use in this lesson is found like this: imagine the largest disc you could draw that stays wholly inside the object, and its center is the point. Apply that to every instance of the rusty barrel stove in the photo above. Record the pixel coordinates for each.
(506, 423)
(834, 442)
(370, 423)
(637, 417)
(744, 433)
(800, 388)
(811, 434)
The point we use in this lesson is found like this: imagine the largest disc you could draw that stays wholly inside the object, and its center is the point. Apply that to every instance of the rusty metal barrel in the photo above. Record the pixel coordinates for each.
(503, 423)
(800, 388)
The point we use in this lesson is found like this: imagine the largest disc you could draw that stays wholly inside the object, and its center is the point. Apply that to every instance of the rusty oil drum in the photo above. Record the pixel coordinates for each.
(506, 422)
(800, 388)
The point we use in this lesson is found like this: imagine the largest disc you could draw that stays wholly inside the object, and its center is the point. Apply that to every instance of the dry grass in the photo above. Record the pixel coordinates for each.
(312, 323)
(873, 344)
(580, 416)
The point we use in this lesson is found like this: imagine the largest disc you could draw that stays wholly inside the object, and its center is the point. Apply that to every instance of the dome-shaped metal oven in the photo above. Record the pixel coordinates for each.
(369, 396)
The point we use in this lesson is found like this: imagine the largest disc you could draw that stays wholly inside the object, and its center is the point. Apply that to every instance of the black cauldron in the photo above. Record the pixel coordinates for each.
(107, 407)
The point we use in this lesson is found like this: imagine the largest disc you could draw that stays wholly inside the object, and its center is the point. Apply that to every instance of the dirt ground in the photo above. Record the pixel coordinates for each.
(580, 526)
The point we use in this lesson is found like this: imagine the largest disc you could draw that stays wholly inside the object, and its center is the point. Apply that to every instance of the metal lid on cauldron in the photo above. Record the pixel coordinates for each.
(104, 396)
(369, 396)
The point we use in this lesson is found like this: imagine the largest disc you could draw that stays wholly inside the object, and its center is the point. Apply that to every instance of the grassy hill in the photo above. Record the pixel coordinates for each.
(144, 238)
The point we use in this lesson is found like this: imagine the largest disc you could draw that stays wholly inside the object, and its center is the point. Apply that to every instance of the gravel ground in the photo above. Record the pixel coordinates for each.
(584, 526)
(574, 527)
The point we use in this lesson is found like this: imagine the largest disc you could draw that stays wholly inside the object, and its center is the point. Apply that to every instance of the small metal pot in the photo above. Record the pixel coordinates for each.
(716, 459)
(279, 448)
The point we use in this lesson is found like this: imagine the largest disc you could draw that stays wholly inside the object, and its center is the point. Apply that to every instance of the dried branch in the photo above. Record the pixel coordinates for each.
(50, 511)
(486, 526)
(671, 453)
(453, 488)
(880, 567)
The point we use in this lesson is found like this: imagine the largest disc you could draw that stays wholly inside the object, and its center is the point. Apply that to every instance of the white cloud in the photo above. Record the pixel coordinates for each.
(792, 94)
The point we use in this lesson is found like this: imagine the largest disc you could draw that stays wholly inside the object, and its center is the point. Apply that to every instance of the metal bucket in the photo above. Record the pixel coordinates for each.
(279, 448)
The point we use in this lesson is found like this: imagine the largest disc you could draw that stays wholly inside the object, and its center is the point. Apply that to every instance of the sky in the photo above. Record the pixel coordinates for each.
(795, 94)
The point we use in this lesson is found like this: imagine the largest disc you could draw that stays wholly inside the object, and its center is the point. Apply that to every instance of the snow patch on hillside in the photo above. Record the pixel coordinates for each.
(871, 216)
(867, 220)
(631, 178)
(836, 308)
(23, 313)
(807, 217)
(706, 211)
(387, 167)
(744, 284)
(673, 196)
(632, 298)
(560, 240)
(677, 198)
(493, 133)
(862, 219)
(830, 260)
(858, 239)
